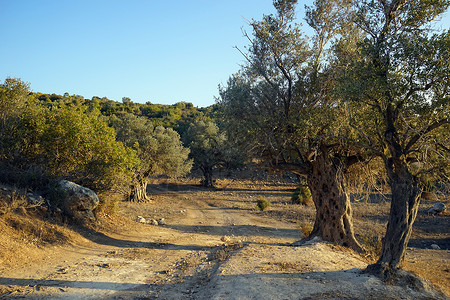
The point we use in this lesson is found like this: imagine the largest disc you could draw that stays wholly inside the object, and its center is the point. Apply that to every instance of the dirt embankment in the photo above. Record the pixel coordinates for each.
(215, 246)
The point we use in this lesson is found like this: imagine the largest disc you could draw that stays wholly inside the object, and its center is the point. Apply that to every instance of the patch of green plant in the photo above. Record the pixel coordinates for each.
(429, 186)
(55, 194)
(262, 203)
(301, 195)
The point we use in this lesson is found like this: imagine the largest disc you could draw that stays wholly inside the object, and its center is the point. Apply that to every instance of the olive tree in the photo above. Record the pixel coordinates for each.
(280, 106)
(208, 148)
(397, 72)
(159, 150)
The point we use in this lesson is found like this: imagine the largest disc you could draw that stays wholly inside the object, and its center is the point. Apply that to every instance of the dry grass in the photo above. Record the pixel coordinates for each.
(305, 228)
(25, 230)
(224, 252)
(25, 237)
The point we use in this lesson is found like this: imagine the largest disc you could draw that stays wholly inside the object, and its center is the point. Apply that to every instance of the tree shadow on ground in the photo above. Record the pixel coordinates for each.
(71, 283)
(171, 188)
(238, 230)
(103, 239)
(422, 243)
(127, 290)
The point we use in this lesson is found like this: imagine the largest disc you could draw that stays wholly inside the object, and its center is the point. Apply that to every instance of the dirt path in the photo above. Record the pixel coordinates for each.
(186, 259)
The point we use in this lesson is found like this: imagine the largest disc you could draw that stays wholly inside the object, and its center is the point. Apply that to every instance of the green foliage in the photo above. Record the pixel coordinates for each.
(280, 106)
(59, 141)
(262, 203)
(159, 149)
(13, 99)
(209, 148)
(301, 195)
(78, 145)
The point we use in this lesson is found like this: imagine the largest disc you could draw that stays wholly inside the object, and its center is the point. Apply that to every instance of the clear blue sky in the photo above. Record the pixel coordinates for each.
(148, 50)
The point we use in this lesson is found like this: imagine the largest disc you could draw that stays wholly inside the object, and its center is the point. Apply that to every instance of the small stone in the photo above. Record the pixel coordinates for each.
(225, 239)
(162, 221)
(437, 208)
(153, 222)
(140, 219)
(435, 247)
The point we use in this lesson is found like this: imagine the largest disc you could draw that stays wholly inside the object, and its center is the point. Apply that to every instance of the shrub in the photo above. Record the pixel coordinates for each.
(262, 203)
(372, 244)
(301, 195)
(305, 228)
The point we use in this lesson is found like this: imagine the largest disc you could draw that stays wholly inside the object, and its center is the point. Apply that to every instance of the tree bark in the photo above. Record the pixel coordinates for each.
(405, 201)
(333, 221)
(139, 190)
(208, 178)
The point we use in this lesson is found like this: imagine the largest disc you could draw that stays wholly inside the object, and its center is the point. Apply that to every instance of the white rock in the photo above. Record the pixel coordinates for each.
(141, 219)
(77, 202)
(435, 247)
(162, 221)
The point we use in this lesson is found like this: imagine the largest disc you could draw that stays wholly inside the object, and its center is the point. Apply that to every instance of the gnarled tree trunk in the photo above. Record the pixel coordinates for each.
(333, 221)
(404, 206)
(207, 176)
(138, 190)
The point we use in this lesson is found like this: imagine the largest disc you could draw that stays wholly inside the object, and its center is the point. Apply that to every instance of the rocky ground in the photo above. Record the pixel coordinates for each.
(216, 245)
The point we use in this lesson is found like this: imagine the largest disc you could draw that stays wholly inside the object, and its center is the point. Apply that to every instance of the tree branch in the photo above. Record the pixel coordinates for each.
(426, 130)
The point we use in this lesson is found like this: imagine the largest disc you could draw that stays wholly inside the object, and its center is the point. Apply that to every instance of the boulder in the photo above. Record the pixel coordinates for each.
(35, 199)
(437, 208)
(76, 201)
(435, 247)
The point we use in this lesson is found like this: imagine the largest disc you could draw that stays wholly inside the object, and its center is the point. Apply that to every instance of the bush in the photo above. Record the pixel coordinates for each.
(301, 195)
(262, 203)
(372, 244)
(305, 228)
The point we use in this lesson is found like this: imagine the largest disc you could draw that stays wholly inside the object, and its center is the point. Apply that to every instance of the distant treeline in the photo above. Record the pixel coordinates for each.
(175, 116)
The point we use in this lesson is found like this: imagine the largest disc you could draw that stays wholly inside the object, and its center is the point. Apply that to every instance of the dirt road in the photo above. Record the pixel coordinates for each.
(208, 250)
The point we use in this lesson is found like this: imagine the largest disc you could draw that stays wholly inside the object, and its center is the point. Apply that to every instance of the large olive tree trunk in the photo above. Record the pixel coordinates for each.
(333, 221)
(207, 176)
(138, 191)
(405, 201)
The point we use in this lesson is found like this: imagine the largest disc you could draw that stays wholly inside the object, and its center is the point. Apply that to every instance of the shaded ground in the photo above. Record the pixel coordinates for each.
(187, 258)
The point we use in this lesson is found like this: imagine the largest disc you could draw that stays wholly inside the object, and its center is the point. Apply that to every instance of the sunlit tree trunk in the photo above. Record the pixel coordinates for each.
(333, 221)
(207, 176)
(139, 190)
(404, 206)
